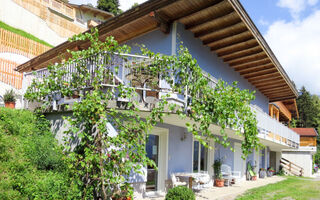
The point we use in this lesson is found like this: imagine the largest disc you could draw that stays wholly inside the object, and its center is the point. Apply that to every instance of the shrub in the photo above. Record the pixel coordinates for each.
(9, 96)
(31, 162)
(180, 193)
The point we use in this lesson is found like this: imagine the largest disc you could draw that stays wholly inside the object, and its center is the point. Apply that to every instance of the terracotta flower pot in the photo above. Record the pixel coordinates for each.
(254, 178)
(219, 182)
(10, 104)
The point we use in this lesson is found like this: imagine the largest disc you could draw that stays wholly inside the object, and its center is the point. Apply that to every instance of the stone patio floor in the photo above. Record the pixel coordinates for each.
(229, 193)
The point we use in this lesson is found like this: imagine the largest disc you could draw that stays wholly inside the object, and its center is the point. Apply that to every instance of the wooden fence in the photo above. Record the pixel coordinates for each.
(8, 75)
(16, 44)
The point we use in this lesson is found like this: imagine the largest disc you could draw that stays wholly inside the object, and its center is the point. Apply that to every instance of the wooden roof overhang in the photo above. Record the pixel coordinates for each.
(222, 25)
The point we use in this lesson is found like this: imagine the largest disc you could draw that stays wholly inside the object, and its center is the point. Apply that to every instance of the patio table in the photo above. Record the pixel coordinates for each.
(200, 178)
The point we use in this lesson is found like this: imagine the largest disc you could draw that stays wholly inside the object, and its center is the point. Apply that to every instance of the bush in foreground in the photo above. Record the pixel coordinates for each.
(31, 162)
(180, 193)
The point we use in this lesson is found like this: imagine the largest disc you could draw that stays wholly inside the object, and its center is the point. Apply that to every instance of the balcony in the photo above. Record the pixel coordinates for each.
(150, 89)
(272, 130)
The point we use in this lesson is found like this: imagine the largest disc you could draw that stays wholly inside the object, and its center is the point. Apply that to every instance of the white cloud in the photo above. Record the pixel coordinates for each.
(297, 46)
(126, 4)
(296, 6)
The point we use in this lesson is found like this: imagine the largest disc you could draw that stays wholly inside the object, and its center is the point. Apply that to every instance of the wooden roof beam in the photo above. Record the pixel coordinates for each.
(267, 83)
(197, 11)
(229, 40)
(162, 21)
(266, 80)
(247, 59)
(269, 86)
(237, 47)
(240, 54)
(212, 20)
(256, 63)
(275, 89)
(215, 32)
(255, 68)
(265, 76)
(258, 73)
(281, 98)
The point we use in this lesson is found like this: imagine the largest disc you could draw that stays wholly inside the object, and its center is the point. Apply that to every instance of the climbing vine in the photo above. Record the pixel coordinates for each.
(102, 161)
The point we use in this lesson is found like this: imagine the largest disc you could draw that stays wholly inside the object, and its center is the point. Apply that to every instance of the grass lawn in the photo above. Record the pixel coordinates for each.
(291, 188)
(23, 33)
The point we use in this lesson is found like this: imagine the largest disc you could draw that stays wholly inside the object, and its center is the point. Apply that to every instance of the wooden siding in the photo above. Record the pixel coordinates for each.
(308, 141)
(63, 26)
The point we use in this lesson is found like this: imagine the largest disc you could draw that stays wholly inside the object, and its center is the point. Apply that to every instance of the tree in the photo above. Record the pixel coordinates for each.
(102, 159)
(308, 109)
(134, 5)
(111, 6)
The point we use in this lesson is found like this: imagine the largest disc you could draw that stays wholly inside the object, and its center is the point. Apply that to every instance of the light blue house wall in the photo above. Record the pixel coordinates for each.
(179, 150)
(208, 61)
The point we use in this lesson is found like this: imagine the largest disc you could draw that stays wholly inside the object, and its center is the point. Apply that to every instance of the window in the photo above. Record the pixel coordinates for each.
(200, 157)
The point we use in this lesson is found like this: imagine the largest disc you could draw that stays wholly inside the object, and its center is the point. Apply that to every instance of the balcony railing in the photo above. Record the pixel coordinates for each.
(271, 129)
(150, 94)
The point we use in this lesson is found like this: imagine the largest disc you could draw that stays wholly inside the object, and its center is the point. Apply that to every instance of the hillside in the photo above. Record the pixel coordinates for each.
(31, 162)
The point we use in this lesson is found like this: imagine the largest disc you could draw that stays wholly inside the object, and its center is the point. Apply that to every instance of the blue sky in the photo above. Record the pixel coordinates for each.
(292, 30)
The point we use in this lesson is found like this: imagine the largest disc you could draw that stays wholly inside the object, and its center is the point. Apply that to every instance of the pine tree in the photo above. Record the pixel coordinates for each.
(111, 6)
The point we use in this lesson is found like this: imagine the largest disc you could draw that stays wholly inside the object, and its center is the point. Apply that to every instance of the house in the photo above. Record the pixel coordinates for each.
(57, 21)
(303, 156)
(228, 46)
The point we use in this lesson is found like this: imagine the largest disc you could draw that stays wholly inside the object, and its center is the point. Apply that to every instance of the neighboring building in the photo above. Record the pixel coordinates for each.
(228, 46)
(303, 156)
(49, 20)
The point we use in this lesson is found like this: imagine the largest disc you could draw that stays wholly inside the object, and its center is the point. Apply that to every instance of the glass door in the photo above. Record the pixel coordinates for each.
(152, 149)
(200, 157)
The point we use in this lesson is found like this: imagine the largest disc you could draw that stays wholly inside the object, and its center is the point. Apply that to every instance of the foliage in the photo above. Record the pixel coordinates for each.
(309, 112)
(9, 96)
(134, 5)
(290, 188)
(180, 193)
(111, 6)
(217, 169)
(21, 177)
(23, 33)
(103, 160)
(308, 109)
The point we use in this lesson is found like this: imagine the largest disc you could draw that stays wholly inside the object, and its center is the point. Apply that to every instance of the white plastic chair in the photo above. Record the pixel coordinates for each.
(176, 182)
(228, 174)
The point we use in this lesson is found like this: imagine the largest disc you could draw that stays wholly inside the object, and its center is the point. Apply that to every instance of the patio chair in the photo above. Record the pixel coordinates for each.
(228, 175)
(176, 182)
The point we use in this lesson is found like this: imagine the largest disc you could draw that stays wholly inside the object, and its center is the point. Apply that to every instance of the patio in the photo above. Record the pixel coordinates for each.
(228, 193)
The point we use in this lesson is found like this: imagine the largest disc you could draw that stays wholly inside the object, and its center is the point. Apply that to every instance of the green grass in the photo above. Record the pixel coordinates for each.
(291, 188)
(23, 33)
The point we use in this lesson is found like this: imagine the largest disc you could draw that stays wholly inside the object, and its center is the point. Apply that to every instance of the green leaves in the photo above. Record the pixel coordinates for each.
(112, 141)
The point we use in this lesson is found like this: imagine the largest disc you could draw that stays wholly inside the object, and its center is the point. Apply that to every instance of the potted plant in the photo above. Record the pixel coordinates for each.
(270, 172)
(218, 179)
(262, 173)
(251, 174)
(9, 99)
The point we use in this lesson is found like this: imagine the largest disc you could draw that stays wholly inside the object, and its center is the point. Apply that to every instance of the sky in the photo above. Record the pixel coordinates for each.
(292, 30)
